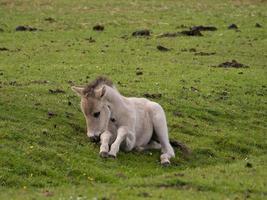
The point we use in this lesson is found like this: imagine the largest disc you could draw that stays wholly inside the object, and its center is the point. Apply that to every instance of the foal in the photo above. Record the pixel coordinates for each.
(123, 122)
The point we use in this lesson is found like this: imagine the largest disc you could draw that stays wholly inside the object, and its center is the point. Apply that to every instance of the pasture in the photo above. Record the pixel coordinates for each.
(211, 83)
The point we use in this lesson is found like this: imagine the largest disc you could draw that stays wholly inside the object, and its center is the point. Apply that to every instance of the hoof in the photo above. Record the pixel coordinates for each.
(103, 154)
(165, 164)
(111, 156)
(139, 149)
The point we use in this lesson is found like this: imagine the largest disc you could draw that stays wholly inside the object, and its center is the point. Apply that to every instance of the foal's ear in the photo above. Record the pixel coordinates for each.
(78, 90)
(99, 93)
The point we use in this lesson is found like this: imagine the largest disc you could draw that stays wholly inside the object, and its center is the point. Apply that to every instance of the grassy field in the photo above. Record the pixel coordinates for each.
(220, 113)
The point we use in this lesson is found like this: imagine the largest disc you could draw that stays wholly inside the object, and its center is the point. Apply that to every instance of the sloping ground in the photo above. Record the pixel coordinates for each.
(213, 88)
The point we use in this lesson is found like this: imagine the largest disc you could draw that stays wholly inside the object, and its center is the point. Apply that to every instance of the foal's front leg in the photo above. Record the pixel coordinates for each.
(123, 133)
(104, 148)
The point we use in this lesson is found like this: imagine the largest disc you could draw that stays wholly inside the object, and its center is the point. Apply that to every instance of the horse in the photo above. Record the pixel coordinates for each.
(125, 123)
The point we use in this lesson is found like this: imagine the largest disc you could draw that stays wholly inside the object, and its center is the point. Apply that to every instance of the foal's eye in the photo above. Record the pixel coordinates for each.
(96, 114)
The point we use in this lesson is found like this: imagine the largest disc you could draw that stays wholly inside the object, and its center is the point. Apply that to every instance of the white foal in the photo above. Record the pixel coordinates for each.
(123, 122)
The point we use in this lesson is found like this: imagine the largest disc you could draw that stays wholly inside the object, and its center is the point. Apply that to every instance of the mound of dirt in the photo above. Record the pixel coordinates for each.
(204, 28)
(50, 19)
(204, 53)
(90, 40)
(257, 25)
(144, 32)
(138, 73)
(26, 28)
(192, 32)
(98, 27)
(233, 26)
(51, 114)
(192, 50)
(4, 49)
(232, 64)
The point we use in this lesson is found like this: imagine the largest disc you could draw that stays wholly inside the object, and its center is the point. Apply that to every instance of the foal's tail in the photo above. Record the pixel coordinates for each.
(185, 149)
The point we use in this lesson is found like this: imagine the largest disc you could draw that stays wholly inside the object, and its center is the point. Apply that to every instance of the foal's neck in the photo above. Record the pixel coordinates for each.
(114, 97)
(119, 105)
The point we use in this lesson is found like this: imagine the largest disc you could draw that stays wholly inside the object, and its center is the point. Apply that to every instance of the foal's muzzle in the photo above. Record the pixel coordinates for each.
(94, 139)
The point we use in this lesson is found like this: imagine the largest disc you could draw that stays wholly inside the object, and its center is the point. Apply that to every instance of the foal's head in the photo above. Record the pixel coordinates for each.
(94, 106)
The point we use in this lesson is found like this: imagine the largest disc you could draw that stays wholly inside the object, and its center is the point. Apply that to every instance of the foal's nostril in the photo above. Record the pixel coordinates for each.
(94, 139)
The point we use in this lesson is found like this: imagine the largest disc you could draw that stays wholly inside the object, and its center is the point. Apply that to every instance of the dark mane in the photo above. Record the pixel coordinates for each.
(101, 80)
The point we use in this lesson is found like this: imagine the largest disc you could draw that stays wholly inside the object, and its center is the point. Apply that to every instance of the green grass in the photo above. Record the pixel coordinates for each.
(222, 117)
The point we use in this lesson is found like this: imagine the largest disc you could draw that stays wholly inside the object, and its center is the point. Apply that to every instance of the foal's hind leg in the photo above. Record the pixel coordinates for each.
(161, 130)
(151, 145)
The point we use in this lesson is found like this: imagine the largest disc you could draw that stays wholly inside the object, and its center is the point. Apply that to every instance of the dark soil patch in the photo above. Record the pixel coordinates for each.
(90, 40)
(257, 25)
(204, 28)
(98, 27)
(233, 26)
(4, 49)
(249, 165)
(1, 30)
(51, 114)
(204, 53)
(192, 50)
(139, 71)
(192, 32)
(153, 95)
(50, 19)
(162, 48)
(56, 91)
(26, 28)
(177, 114)
(144, 32)
(232, 64)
